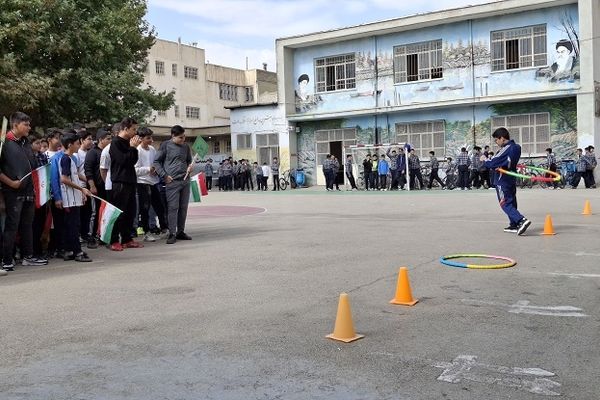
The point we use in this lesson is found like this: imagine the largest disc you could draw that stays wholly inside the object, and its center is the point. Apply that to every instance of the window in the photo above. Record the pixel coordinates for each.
(519, 48)
(249, 94)
(216, 147)
(162, 113)
(418, 61)
(176, 111)
(228, 146)
(244, 141)
(267, 147)
(159, 67)
(192, 112)
(190, 72)
(324, 137)
(423, 136)
(174, 69)
(228, 92)
(335, 73)
(531, 131)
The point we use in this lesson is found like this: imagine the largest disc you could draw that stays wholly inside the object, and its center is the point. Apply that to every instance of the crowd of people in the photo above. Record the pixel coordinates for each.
(241, 175)
(119, 166)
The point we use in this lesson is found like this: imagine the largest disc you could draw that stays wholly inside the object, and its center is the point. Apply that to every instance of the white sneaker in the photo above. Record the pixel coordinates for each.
(148, 237)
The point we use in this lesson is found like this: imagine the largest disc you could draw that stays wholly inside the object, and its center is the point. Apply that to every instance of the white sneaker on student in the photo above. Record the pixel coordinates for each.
(148, 237)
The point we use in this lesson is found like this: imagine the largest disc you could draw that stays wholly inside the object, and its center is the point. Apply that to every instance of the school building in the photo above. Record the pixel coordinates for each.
(438, 81)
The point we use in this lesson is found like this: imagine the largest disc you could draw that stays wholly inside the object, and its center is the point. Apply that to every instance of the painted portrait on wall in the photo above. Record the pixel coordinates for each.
(566, 63)
(305, 98)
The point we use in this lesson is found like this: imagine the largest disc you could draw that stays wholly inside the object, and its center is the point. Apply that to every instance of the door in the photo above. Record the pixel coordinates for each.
(335, 148)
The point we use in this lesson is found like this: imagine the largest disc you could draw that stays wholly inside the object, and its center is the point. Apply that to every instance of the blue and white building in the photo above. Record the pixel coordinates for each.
(444, 80)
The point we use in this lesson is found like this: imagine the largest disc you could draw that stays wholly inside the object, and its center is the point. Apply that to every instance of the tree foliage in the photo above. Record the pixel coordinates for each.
(76, 60)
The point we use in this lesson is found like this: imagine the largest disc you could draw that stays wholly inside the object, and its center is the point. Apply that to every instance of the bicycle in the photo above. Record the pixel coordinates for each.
(287, 179)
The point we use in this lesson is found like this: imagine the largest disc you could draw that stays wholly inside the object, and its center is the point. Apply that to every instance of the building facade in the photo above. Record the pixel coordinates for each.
(202, 91)
(444, 80)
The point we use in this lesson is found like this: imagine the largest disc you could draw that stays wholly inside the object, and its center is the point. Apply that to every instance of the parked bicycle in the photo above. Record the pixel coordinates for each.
(288, 178)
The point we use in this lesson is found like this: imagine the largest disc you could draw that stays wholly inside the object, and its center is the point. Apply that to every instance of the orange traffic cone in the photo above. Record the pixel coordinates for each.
(548, 228)
(587, 208)
(344, 327)
(403, 292)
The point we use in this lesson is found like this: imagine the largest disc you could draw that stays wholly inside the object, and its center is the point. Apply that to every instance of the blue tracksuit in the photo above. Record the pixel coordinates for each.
(55, 176)
(506, 189)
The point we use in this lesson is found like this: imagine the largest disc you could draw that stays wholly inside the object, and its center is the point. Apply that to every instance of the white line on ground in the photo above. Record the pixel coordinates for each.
(523, 307)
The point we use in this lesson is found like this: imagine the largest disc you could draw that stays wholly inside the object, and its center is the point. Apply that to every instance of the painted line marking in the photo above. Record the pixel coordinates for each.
(574, 275)
(462, 368)
(523, 307)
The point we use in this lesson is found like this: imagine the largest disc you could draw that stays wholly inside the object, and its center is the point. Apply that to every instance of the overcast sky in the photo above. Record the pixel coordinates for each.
(231, 30)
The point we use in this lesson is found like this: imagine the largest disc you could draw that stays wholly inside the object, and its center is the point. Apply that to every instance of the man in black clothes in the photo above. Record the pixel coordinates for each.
(94, 179)
(123, 156)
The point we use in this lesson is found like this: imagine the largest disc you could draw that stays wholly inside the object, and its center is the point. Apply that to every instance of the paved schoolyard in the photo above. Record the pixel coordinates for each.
(241, 312)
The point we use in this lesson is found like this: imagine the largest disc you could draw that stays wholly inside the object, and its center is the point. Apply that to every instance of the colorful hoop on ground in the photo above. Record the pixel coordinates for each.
(510, 263)
(555, 176)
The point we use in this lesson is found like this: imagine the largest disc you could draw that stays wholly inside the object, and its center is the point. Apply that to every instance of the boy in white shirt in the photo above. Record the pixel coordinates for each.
(265, 170)
(147, 189)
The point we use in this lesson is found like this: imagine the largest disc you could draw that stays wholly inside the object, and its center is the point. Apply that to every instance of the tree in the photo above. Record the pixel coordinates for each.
(76, 60)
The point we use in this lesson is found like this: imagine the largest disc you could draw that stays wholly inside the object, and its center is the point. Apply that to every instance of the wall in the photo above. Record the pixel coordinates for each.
(464, 126)
(467, 68)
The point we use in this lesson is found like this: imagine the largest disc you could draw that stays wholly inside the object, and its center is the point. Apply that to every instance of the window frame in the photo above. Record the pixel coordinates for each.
(190, 72)
(159, 67)
(161, 113)
(512, 34)
(324, 137)
(349, 66)
(174, 69)
(271, 147)
(435, 55)
(538, 145)
(420, 150)
(247, 139)
(189, 110)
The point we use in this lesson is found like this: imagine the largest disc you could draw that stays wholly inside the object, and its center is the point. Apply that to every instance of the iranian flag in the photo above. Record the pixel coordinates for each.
(198, 187)
(107, 216)
(41, 185)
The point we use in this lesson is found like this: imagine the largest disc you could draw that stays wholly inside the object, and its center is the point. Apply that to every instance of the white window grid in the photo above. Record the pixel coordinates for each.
(519, 48)
(162, 113)
(335, 73)
(228, 146)
(190, 72)
(192, 112)
(423, 136)
(159, 67)
(418, 61)
(323, 139)
(531, 131)
(267, 147)
(176, 111)
(244, 141)
(174, 69)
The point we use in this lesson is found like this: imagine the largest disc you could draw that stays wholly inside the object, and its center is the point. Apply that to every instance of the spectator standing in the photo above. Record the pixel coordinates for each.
(259, 175)
(74, 195)
(95, 181)
(581, 167)
(367, 171)
(435, 166)
(335, 165)
(86, 209)
(476, 163)
(414, 170)
(174, 164)
(463, 163)
(275, 173)
(591, 163)
(16, 162)
(265, 170)
(349, 172)
(375, 172)
(208, 172)
(328, 172)
(551, 163)
(227, 175)
(393, 156)
(123, 157)
(40, 214)
(382, 170)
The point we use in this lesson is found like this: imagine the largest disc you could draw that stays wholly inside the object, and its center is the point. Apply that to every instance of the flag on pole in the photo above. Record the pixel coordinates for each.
(195, 191)
(41, 185)
(202, 183)
(200, 147)
(106, 220)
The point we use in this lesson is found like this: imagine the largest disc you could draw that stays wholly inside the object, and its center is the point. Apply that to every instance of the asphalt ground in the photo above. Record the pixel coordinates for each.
(242, 310)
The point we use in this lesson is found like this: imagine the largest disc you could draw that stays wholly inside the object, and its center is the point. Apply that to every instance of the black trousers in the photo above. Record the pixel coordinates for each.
(123, 197)
(383, 181)
(415, 173)
(72, 220)
(352, 181)
(96, 208)
(394, 184)
(148, 195)
(435, 177)
(276, 182)
(57, 233)
(588, 178)
(463, 176)
(374, 180)
(208, 183)
(474, 179)
(576, 178)
(19, 219)
(39, 223)
(85, 225)
(367, 176)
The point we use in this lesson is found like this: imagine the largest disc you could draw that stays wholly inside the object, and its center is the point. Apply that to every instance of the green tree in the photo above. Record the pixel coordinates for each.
(76, 60)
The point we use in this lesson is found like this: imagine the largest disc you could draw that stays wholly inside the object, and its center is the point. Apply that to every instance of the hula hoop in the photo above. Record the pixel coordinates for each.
(510, 263)
(555, 176)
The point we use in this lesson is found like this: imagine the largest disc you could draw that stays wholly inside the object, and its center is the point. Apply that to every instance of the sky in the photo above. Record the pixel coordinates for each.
(231, 30)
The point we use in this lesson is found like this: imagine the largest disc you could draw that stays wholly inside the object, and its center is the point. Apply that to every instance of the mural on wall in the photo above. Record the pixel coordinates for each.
(459, 128)
(467, 68)
(306, 100)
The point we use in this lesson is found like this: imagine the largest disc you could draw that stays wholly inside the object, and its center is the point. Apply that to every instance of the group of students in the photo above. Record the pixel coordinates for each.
(120, 167)
(241, 175)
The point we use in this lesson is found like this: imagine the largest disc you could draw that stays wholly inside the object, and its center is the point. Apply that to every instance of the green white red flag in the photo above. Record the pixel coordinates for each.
(198, 187)
(106, 220)
(41, 184)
